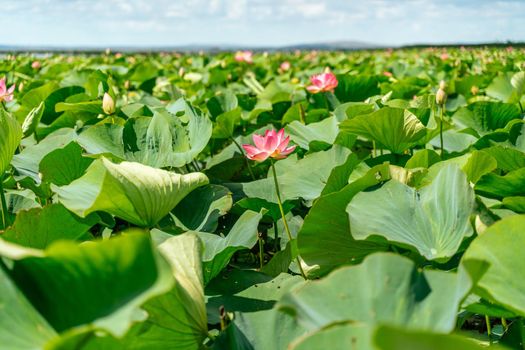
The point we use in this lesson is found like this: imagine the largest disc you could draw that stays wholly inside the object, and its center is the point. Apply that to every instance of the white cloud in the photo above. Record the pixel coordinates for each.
(236, 9)
(262, 22)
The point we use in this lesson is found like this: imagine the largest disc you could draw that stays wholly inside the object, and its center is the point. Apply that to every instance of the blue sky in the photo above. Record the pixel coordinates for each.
(149, 23)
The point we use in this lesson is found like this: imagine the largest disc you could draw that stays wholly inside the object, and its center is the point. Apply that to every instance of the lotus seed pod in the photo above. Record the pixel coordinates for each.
(108, 105)
(441, 97)
(474, 90)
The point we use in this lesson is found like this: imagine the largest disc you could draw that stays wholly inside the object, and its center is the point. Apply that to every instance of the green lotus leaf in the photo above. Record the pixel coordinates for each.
(385, 289)
(484, 116)
(64, 165)
(40, 227)
(298, 178)
(251, 297)
(324, 240)
(337, 336)
(96, 284)
(504, 281)
(218, 250)
(325, 131)
(21, 326)
(202, 208)
(10, 136)
(396, 338)
(497, 186)
(178, 318)
(395, 129)
(434, 220)
(137, 193)
(27, 162)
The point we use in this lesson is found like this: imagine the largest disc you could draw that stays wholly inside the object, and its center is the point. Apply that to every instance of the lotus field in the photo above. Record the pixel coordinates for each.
(301, 200)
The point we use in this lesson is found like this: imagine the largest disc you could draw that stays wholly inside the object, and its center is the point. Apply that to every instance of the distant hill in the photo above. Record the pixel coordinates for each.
(324, 46)
(335, 45)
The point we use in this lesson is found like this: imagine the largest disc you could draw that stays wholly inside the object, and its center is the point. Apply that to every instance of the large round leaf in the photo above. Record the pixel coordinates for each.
(298, 178)
(10, 135)
(338, 336)
(497, 186)
(171, 138)
(39, 227)
(219, 250)
(486, 116)
(202, 208)
(251, 297)
(500, 246)
(21, 326)
(356, 88)
(434, 219)
(27, 162)
(324, 131)
(140, 194)
(324, 240)
(395, 129)
(99, 284)
(384, 289)
(395, 338)
(177, 319)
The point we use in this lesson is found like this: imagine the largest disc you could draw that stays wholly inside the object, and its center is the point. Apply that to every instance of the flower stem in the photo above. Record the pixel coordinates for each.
(245, 159)
(275, 238)
(5, 220)
(489, 328)
(441, 130)
(261, 250)
(285, 223)
(504, 323)
(521, 332)
(302, 114)
(332, 100)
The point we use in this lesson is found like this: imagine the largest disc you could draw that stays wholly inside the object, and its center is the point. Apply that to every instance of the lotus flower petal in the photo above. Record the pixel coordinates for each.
(324, 82)
(273, 144)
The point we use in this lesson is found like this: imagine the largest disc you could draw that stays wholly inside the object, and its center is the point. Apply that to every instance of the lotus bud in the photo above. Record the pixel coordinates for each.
(441, 97)
(108, 104)
(474, 90)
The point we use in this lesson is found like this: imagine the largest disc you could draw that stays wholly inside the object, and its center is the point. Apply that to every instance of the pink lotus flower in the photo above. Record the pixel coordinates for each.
(324, 82)
(6, 94)
(388, 74)
(272, 145)
(285, 66)
(444, 56)
(36, 65)
(244, 56)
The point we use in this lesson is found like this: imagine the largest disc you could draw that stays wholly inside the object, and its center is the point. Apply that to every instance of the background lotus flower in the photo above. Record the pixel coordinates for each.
(285, 66)
(324, 82)
(108, 104)
(272, 145)
(36, 65)
(244, 56)
(5, 93)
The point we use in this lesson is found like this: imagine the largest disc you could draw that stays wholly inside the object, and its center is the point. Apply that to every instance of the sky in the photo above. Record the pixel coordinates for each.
(154, 23)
